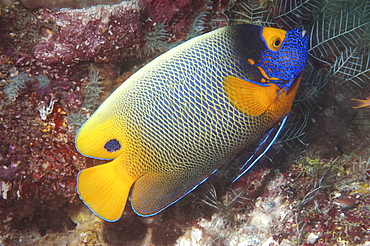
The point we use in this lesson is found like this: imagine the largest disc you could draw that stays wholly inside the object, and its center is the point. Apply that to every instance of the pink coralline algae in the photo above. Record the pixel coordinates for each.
(111, 33)
(175, 14)
(52, 4)
(98, 33)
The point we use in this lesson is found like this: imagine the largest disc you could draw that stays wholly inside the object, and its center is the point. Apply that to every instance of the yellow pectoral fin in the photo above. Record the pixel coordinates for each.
(105, 188)
(251, 98)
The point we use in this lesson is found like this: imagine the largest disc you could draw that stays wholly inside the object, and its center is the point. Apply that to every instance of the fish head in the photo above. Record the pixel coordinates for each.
(274, 60)
(284, 57)
(100, 137)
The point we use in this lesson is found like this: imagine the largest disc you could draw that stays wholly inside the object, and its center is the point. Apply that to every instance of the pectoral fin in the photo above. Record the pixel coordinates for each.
(250, 97)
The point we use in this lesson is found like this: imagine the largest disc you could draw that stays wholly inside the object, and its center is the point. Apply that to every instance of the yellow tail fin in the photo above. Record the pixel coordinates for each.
(105, 188)
(361, 103)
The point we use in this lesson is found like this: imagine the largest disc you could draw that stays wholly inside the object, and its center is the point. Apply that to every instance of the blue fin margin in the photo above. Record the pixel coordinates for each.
(264, 146)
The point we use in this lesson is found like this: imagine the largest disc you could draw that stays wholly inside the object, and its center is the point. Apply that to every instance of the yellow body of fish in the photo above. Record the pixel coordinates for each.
(173, 123)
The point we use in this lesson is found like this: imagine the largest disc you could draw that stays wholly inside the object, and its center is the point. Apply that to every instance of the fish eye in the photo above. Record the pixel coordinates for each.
(273, 38)
(276, 43)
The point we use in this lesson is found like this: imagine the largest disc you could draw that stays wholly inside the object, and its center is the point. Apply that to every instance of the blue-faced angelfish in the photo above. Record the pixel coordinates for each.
(176, 120)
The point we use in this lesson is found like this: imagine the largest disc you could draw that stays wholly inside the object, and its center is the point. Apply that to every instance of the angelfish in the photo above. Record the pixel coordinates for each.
(176, 120)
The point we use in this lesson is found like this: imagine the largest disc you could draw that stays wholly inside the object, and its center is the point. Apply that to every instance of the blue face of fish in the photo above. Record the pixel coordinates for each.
(285, 64)
(277, 57)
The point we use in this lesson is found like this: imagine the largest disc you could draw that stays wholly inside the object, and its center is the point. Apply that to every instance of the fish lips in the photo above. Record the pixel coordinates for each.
(286, 84)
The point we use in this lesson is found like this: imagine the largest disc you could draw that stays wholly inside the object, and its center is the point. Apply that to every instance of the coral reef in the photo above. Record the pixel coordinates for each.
(177, 22)
(58, 65)
(157, 40)
(99, 33)
(75, 4)
(296, 206)
(92, 89)
(54, 64)
(14, 85)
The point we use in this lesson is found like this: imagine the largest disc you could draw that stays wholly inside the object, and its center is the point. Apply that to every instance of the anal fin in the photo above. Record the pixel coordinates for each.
(154, 192)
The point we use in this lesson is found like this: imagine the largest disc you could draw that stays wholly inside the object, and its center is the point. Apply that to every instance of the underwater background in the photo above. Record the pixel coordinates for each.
(60, 59)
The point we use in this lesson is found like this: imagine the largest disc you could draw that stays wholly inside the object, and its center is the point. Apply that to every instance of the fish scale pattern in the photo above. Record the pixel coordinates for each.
(189, 125)
(188, 109)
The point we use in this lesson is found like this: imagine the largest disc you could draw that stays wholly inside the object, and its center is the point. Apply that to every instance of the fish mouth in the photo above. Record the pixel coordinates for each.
(282, 83)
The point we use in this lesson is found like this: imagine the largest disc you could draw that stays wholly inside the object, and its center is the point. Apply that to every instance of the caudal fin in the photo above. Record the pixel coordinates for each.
(105, 188)
(361, 103)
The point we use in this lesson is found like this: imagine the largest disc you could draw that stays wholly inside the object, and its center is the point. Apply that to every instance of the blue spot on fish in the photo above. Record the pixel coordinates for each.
(112, 145)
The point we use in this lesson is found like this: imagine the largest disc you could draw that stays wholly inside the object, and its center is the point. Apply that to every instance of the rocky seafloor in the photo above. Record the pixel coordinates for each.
(58, 64)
